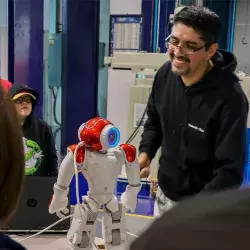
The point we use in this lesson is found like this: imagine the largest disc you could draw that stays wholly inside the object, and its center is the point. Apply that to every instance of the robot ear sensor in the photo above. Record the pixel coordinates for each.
(80, 130)
(109, 137)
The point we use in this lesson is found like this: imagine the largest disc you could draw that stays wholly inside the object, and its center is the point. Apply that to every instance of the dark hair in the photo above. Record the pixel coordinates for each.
(11, 157)
(202, 20)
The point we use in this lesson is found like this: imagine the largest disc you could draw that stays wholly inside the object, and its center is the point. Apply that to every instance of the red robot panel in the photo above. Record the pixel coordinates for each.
(80, 153)
(130, 152)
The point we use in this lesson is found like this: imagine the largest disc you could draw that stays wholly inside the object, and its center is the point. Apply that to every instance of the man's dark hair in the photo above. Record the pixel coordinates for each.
(202, 20)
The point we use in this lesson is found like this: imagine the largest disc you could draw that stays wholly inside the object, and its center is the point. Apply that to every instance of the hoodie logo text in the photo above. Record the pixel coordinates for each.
(196, 128)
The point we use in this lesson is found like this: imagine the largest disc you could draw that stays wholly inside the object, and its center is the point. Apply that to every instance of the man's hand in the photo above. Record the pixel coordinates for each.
(144, 163)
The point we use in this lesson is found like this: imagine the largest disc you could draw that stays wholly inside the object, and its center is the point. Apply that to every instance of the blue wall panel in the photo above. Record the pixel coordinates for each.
(247, 166)
(26, 45)
(80, 66)
(223, 9)
(167, 8)
(11, 43)
(147, 11)
(103, 72)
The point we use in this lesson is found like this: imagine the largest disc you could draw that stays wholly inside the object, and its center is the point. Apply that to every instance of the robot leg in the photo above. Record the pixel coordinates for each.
(113, 226)
(81, 234)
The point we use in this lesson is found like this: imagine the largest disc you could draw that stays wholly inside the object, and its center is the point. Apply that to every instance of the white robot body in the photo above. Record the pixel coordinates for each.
(101, 172)
(101, 169)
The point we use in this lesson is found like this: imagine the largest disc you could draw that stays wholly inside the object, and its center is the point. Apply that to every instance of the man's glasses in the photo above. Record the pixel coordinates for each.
(26, 99)
(185, 50)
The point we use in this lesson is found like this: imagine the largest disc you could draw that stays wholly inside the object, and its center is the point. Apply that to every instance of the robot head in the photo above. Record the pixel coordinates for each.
(99, 134)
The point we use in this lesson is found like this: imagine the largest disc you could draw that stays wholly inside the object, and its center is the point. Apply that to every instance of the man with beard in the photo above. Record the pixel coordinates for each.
(197, 113)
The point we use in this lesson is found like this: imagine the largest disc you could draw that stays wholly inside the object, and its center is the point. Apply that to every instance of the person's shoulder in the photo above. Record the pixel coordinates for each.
(236, 96)
(7, 243)
(161, 76)
(193, 216)
(44, 126)
(43, 123)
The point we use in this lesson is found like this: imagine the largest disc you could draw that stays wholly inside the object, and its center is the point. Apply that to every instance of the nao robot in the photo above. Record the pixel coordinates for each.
(99, 157)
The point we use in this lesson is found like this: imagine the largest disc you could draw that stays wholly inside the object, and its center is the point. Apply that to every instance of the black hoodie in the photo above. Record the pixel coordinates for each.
(201, 129)
(39, 144)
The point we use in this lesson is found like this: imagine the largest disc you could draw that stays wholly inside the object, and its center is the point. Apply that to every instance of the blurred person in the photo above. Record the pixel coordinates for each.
(204, 222)
(11, 166)
(197, 113)
(41, 157)
(5, 84)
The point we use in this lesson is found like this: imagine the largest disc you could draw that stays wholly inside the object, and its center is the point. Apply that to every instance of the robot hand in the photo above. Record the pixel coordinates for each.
(59, 202)
(129, 197)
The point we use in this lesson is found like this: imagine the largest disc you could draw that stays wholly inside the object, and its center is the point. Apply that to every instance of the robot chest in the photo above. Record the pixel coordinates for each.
(101, 163)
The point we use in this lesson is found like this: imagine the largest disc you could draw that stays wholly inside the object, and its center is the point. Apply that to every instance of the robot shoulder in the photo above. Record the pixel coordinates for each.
(130, 152)
(80, 154)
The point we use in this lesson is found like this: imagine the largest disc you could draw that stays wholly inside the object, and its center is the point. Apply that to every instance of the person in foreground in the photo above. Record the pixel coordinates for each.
(5, 84)
(197, 113)
(205, 222)
(41, 157)
(11, 166)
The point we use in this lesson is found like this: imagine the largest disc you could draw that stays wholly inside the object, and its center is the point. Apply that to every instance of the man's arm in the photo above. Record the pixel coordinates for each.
(152, 135)
(230, 147)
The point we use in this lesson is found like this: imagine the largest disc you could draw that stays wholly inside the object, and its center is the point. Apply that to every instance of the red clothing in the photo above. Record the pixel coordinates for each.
(6, 84)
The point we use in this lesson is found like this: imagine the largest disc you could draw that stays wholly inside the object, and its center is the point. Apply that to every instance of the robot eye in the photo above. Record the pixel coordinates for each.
(113, 137)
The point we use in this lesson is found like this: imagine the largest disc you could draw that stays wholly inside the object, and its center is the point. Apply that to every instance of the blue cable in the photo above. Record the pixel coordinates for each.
(232, 28)
(155, 33)
(52, 6)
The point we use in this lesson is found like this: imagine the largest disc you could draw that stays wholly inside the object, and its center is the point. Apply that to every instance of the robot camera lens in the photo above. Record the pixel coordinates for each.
(113, 137)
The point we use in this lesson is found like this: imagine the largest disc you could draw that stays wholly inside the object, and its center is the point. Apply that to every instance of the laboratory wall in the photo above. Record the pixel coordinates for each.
(103, 51)
(125, 7)
(242, 35)
(80, 66)
(52, 96)
(107, 8)
(25, 46)
(120, 81)
(241, 49)
(47, 97)
(4, 39)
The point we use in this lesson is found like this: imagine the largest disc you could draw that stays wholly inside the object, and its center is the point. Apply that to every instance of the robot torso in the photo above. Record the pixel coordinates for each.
(101, 171)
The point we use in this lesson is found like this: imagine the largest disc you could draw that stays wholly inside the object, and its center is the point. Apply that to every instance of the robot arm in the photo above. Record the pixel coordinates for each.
(129, 197)
(66, 172)
(131, 164)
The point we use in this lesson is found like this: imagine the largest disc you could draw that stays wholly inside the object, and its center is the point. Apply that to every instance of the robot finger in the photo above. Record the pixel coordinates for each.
(65, 210)
(126, 209)
(60, 215)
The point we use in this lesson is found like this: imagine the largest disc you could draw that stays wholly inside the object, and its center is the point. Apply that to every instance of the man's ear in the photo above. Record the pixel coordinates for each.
(212, 50)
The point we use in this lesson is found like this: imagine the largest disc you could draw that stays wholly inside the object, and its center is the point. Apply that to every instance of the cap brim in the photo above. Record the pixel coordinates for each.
(22, 94)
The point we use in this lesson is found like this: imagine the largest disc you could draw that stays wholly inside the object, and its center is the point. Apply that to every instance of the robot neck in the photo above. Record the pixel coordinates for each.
(103, 151)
